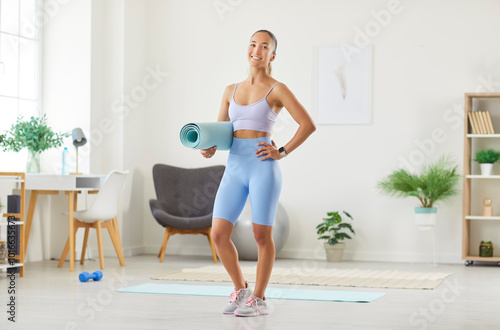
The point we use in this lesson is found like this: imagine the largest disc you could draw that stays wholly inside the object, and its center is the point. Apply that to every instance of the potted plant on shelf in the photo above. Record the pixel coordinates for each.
(332, 229)
(436, 182)
(34, 135)
(486, 158)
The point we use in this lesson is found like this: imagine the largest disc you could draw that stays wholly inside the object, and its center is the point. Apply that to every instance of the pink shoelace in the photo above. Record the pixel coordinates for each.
(234, 296)
(250, 301)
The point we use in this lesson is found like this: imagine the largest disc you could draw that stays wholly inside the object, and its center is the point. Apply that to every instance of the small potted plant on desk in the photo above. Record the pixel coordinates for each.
(34, 135)
(332, 230)
(436, 182)
(486, 159)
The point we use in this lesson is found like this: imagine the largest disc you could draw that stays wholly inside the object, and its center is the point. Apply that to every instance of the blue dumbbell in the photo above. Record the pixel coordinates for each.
(96, 276)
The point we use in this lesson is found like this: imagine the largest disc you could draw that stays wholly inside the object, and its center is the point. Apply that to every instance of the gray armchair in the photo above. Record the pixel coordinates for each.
(185, 201)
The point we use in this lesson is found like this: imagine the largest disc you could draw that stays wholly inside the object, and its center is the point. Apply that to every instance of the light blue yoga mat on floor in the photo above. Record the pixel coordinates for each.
(271, 293)
(207, 135)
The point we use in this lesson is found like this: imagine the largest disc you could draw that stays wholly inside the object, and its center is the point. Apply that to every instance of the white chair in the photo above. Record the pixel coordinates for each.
(102, 214)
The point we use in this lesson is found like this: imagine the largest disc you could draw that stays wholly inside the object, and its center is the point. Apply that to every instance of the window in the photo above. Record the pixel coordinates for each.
(19, 68)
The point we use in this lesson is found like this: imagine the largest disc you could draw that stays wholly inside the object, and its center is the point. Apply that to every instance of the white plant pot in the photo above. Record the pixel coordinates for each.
(335, 252)
(425, 217)
(486, 169)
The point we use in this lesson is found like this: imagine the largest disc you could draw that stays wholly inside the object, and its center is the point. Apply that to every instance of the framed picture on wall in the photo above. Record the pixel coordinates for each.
(344, 85)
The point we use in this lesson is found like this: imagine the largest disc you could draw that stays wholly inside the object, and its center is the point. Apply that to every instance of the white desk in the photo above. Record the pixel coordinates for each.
(52, 184)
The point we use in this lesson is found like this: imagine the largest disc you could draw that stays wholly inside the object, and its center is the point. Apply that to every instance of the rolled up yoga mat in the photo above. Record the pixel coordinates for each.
(207, 135)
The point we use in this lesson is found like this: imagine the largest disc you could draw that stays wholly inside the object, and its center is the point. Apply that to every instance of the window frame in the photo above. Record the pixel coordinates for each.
(10, 160)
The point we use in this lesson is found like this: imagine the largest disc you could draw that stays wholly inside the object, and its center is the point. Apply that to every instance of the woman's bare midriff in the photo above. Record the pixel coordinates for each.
(249, 134)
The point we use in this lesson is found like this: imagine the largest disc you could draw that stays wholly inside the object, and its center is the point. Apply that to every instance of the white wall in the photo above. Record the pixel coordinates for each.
(66, 101)
(66, 80)
(167, 63)
(107, 80)
(82, 77)
(424, 59)
(135, 123)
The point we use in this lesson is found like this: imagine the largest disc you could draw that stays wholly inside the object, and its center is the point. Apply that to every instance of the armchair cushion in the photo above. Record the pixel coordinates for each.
(160, 213)
(185, 197)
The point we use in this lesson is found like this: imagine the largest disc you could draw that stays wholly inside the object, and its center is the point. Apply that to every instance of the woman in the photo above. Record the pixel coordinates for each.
(252, 169)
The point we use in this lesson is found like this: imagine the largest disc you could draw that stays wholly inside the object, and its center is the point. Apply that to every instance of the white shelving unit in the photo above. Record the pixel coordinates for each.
(484, 136)
(480, 217)
(5, 266)
(469, 218)
(5, 223)
(486, 177)
(17, 178)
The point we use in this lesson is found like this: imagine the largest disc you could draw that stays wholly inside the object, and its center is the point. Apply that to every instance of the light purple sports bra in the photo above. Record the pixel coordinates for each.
(257, 116)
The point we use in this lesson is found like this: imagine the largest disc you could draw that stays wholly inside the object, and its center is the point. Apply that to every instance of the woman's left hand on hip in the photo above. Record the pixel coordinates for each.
(268, 151)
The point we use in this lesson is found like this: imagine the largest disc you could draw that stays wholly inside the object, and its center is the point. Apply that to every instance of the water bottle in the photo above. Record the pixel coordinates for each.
(65, 162)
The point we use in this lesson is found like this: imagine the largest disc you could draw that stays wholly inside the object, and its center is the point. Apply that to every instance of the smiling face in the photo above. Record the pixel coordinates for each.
(261, 50)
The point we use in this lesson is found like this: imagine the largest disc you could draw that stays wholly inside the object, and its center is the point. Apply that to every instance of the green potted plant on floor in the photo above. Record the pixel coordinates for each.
(34, 135)
(436, 182)
(332, 229)
(486, 158)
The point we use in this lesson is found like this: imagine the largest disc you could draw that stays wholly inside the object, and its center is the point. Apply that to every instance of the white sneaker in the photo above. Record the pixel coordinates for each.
(253, 306)
(236, 299)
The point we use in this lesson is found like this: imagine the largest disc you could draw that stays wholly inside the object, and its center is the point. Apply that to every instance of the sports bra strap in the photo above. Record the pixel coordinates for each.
(236, 85)
(234, 92)
(270, 89)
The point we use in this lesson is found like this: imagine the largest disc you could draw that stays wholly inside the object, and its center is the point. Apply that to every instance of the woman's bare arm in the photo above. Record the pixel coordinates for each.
(299, 114)
(287, 100)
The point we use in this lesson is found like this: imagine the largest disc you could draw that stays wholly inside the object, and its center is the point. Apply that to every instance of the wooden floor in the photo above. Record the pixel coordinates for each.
(52, 298)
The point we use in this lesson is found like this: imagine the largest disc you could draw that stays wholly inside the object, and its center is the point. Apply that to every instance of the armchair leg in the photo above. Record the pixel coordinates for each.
(169, 231)
(209, 236)
(164, 245)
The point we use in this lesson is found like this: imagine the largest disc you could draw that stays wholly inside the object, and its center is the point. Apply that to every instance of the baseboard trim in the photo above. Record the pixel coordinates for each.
(316, 254)
(133, 251)
(110, 252)
(188, 251)
(319, 254)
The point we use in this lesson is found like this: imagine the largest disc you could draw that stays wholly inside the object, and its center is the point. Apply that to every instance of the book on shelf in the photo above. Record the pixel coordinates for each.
(485, 122)
(472, 122)
(480, 122)
(475, 119)
(490, 123)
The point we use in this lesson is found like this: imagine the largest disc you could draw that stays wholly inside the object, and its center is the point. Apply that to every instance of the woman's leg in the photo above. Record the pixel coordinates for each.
(221, 235)
(264, 191)
(266, 255)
